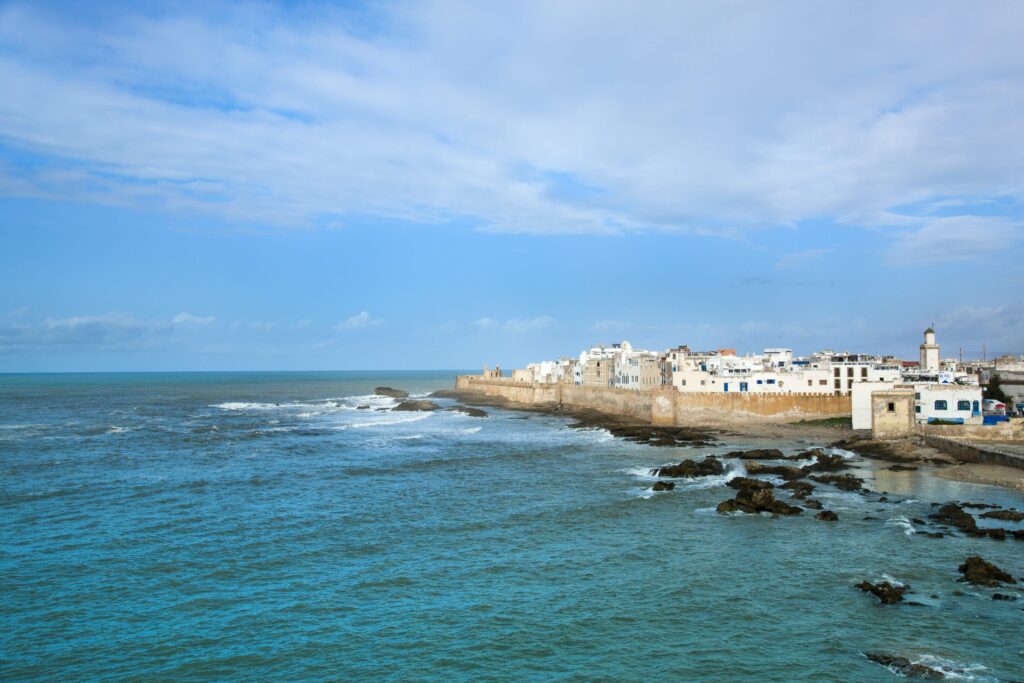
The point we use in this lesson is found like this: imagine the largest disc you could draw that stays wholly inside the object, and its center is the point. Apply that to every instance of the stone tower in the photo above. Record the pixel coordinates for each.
(929, 352)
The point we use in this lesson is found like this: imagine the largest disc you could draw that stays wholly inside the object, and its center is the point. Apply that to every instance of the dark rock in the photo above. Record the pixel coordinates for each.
(1003, 596)
(785, 471)
(827, 516)
(843, 482)
(1005, 515)
(408, 406)
(979, 505)
(995, 534)
(1018, 534)
(691, 468)
(953, 515)
(886, 592)
(869, 518)
(664, 485)
(804, 487)
(901, 468)
(883, 499)
(755, 495)
(827, 463)
(958, 593)
(812, 504)
(363, 407)
(904, 667)
(982, 573)
(393, 393)
(472, 412)
(757, 454)
(805, 455)
(916, 520)
(932, 534)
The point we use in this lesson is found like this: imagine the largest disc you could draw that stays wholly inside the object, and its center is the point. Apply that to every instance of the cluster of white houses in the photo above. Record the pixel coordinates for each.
(944, 390)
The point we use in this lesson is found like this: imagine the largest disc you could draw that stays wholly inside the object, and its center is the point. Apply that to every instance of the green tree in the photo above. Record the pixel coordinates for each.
(995, 390)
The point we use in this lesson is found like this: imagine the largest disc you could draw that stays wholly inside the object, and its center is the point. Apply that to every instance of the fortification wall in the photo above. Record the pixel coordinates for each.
(1012, 430)
(668, 406)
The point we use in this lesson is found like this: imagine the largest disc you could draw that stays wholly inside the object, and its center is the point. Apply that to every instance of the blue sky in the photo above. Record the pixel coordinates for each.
(443, 184)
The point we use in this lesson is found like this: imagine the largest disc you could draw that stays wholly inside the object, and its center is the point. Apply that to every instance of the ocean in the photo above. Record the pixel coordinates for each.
(261, 526)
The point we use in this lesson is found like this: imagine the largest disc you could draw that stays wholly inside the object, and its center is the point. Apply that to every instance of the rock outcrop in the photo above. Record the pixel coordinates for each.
(755, 495)
(827, 516)
(416, 405)
(664, 485)
(1005, 515)
(787, 472)
(827, 463)
(982, 573)
(955, 516)
(472, 412)
(812, 504)
(392, 393)
(887, 593)
(757, 454)
(692, 468)
(843, 482)
(904, 667)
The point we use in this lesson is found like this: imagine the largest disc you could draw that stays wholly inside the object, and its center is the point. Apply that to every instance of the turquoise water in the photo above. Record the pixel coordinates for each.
(259, 527)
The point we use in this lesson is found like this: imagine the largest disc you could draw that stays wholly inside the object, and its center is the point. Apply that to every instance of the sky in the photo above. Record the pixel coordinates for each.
(436, 184)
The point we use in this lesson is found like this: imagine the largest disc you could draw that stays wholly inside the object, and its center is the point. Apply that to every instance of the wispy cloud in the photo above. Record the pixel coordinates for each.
(358, 321)
(303, 117)
(110, 331)
(189, 319)
(955, 238)
(515, 326)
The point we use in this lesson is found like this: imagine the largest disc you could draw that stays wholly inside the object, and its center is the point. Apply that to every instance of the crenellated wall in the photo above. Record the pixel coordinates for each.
(667, 406)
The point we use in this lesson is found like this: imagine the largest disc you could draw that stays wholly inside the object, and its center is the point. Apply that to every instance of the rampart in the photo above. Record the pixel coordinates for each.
(666, 405)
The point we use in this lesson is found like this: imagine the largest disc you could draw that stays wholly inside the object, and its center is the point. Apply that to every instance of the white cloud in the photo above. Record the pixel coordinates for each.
(515, 325)
(800, 258)
(792, 111)
(189, 319)
(358, 321)
(110, 331)
(955, 238)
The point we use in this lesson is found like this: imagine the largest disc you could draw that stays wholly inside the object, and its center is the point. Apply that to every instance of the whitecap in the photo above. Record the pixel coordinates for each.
(953, 669)
(903, 523)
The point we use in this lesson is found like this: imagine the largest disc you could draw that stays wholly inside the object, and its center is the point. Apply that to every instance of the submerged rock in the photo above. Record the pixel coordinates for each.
(363, 407)
(472, 412)
(982, 573)
(827, 516)
(416, 405)
(1003, 596)
(901, 468)
(691, 468)
(393, 393)
(812, 504)
(904, 667)
(887, 593)
(664, 485)
(1005, 515)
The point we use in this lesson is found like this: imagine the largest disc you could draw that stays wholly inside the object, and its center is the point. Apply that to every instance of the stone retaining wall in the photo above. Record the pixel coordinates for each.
(666, 405)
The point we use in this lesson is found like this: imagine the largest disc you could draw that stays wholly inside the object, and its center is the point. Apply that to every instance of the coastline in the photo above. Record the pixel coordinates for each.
(906, 453)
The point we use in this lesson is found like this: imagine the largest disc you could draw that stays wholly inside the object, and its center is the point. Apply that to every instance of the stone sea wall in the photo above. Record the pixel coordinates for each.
(667, 406)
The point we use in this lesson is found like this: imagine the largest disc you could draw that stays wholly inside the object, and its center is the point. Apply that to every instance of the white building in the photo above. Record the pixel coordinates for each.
(930, 352)
(957, 403)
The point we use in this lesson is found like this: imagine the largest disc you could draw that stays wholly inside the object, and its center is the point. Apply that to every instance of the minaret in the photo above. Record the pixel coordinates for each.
(929, 352)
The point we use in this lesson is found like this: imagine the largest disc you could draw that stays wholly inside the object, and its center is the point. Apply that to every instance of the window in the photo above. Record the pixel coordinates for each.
(891, 407)
(976, 408)
(743, 386)
(771, 381)
(917, 396)
(810, 383)
(941, 405)
(963, 405)
(823, 382)
(838, 370)
(759, 381)
(849, 372)
(863, 372)
(917, 409)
